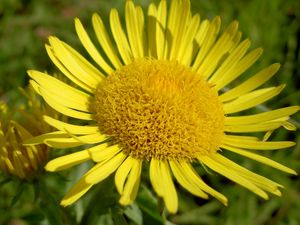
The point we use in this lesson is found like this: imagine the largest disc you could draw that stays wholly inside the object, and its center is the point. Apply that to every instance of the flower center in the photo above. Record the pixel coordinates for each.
(160, 109)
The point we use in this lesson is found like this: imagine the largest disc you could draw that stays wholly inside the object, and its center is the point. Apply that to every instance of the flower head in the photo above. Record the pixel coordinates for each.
(24, 162)
(160, 99)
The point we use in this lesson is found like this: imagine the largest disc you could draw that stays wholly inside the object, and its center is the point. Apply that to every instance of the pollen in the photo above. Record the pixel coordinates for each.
(159, 109)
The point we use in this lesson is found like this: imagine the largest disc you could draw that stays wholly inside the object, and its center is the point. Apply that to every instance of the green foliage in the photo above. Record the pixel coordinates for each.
(273, 25)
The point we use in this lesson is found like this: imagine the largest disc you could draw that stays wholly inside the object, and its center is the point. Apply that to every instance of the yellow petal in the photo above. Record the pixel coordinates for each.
(178, 17)
(70, 128)
(63, 142)
(252, 127)
(260, 159)
(247, 61)
(77, 80)
(155, 176)
(105, 169)
(75, 141)
(132, 184)
(250, 84)
(67, 100)
(122, 173)
(78, 190)
(67, 161)
(201, 34)
(70, 97)
(267, 135)
(245, 138)
(218, 50)
(105, 41)
(256, 145)
(251, 99)
(192, 175)
(232, 175)
(209, 36)
(76, 63)
(230, 62)
(120, 37)
(63, 109)
(170, 195)
(90, 47)
(160, 29)
(133, 31)
(261, 117)
(103, 152)
(184, 180)
(141, 28)
(186, 48)
(236, 41)
(41, 138)
(35, 86)
(152, 20)
(259, 181)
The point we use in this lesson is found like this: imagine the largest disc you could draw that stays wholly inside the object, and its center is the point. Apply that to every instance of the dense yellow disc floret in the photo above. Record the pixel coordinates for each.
(160, 109)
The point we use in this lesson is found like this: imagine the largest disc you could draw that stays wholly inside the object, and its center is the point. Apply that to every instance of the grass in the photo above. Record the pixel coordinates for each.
(273, 25)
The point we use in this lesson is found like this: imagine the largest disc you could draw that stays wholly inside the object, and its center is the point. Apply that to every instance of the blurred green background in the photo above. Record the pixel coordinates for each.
(271, 24)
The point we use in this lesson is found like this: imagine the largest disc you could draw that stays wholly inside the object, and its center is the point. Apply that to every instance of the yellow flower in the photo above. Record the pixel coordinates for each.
(24, 162)
(160, 99)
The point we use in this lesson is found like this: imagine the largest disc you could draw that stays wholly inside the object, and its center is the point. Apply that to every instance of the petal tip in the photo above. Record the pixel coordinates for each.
(125, 201)
(65, 203)
(293, 172)
(276, 66)
(30, 72)
(49, 168)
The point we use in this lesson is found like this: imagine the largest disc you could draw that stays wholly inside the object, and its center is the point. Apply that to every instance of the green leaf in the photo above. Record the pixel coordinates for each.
(103, 198)
(104, 219)
(148, 204)
(134, 213)
(34, 217)
(5, 181)
(19, 192)
(119, 219)
(201, 215)
(51, 208)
